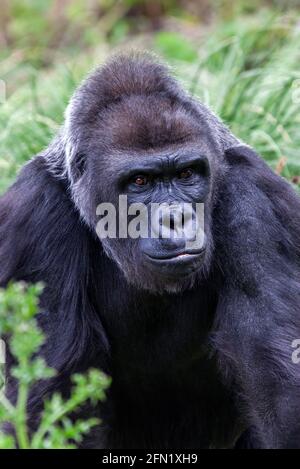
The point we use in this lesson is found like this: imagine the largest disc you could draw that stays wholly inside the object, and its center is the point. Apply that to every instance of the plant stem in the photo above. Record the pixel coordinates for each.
(21, 417)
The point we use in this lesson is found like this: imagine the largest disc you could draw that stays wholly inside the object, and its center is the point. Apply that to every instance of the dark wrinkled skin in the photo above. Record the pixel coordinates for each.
(199, 351)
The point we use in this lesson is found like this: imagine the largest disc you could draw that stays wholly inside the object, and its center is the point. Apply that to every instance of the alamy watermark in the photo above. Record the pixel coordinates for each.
(156, 220)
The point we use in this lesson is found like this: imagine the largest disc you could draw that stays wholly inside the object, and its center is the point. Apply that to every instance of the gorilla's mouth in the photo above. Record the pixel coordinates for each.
(176, 265)
(177, 257)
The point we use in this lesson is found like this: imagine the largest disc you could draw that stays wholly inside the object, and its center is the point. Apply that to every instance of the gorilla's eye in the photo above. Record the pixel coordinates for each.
(140, 180)
(185, 173)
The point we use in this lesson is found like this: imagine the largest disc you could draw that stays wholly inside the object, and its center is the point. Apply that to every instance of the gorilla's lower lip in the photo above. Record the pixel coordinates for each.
(178, 257)
(180, 265)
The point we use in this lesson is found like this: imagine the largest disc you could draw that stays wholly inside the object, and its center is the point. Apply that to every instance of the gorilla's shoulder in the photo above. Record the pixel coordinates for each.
(36, 174)
(36, 192)
(248, 168)
(37, 218)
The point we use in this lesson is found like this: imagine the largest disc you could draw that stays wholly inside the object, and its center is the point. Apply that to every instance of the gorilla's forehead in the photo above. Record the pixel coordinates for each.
(152, 122)
(154, 161)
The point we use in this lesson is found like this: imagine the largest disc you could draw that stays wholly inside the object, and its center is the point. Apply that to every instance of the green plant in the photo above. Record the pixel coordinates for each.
(18, 306)
(175, 46)
(247, 71)
(249, 74)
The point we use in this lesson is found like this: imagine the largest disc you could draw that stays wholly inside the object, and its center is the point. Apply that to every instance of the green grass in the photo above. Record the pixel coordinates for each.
(247, 71)
(251, 78)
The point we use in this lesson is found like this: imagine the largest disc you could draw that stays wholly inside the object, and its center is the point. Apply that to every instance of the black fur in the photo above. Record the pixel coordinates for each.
(192, 367)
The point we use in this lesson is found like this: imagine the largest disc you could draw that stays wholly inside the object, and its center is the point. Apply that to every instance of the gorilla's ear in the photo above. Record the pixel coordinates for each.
(77, 166)
(64, 157)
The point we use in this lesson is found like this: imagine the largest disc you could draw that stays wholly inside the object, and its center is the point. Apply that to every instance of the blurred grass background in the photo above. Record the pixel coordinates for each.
(241, 58)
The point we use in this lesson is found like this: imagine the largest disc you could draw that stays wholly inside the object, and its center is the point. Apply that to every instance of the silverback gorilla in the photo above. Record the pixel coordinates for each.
(198, 342)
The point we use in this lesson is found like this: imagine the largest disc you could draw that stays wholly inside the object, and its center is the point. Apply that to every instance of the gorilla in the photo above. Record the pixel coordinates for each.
(198, 341)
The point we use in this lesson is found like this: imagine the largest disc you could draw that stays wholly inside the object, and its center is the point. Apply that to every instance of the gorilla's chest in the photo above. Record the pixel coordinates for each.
(162, 335)
(161, 346)
(164, 371)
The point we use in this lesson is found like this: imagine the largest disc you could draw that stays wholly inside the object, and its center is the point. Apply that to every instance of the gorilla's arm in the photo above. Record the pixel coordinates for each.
(258, 242)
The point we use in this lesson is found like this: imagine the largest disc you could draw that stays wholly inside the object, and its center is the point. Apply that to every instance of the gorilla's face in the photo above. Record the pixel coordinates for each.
(160, 161)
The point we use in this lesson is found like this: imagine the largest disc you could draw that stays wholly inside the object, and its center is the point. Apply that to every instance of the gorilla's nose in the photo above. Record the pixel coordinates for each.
(173, 221)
